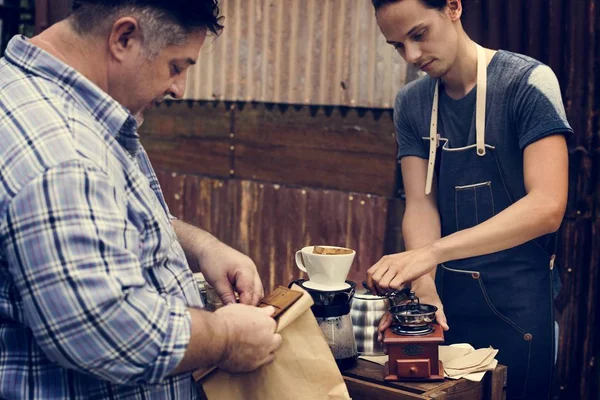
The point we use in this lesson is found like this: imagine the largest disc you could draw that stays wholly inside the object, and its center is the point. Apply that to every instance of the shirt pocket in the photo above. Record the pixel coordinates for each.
(474, 204)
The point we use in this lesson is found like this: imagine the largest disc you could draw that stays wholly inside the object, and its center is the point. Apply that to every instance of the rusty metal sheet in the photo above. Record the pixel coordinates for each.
(325, 52)
(269, 222)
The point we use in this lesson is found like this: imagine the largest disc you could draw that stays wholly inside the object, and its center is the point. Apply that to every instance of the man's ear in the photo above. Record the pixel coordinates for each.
(454, 9)
(125, 38)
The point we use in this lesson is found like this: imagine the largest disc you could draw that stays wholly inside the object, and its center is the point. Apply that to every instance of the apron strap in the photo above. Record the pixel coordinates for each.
(481, 97)
(479, 117)
(433, 139)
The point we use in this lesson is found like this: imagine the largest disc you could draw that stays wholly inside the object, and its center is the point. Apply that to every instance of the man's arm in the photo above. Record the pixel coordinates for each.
(236, 338)
(538, 213)
(87, 301)
(545, 165)
(421, 222)
(224, 268)
(194, 242)
(420, 227)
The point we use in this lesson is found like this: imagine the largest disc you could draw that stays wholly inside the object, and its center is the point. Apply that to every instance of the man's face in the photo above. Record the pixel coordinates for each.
(144, 82)
(424, 37)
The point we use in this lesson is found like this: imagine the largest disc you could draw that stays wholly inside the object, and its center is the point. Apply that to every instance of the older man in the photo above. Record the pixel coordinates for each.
(97, 298)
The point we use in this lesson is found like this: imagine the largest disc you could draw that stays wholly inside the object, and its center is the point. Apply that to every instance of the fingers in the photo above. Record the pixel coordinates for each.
(269, 359)
(386, 322)
(391, 280)
(374, 275)
(258, 292)
(248, 284)
(225, 291)
(370, 282)
(384, 276)
(441, 319)
(277, 342)
(244, 283)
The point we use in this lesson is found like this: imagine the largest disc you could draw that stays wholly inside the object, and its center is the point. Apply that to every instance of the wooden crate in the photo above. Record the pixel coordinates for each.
(365, 382)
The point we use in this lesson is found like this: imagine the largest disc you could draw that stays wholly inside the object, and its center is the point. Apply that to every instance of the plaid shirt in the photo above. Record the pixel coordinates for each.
(94, 285)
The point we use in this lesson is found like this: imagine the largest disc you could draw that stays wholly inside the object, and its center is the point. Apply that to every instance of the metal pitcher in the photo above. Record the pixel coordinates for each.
(366, 312)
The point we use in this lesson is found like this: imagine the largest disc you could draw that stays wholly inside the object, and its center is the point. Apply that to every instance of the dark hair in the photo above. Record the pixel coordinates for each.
(190, 15)
(437, 4)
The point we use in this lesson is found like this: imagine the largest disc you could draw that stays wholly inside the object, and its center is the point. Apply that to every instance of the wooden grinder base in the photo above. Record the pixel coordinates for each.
(414, 358)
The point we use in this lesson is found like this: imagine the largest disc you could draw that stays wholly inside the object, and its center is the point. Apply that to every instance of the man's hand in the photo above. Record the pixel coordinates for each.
(227, 269)
(251, 338)
(395, 271)
(427, 293)
(224, 268)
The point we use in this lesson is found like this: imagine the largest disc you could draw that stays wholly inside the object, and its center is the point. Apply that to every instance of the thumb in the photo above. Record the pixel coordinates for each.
(268, 310)
(441, 319)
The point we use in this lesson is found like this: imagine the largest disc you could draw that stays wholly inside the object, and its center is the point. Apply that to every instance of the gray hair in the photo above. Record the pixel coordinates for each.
(159, 29)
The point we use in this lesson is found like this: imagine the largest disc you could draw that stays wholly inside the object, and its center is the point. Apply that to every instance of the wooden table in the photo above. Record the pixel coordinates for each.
(365, 382)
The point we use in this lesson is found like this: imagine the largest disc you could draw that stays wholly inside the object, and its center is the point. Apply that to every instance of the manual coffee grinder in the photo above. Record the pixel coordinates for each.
(412, 342)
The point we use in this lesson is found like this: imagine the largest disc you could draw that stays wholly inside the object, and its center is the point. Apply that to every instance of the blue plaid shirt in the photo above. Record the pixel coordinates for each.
(94, 285)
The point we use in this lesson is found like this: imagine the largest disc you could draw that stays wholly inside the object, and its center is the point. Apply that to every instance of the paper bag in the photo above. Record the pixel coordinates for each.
(304, 367)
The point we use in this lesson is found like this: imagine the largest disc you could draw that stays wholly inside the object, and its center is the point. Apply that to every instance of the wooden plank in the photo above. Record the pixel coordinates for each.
(364, 390)
(367, 219)
(464, 389)
(271, 222)
(290, 211)
(394, 241)
(206, 206)
(326, 217)
(366, 371)
(190, 155)
(573, 318)
(345, 149)
(198, 119)
(172, 186)
(190, 137)
(495, 384)
(590, 321)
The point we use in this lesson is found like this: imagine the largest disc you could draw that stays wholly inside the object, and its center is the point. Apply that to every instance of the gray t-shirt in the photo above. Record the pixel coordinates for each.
(524, 104)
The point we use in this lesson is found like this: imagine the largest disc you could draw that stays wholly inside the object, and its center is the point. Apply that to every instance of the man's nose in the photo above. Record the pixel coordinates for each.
(177, 88)
(412, 53)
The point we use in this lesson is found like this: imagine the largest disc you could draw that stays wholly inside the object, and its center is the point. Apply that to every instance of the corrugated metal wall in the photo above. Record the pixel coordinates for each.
(326, 52)
(269, 222)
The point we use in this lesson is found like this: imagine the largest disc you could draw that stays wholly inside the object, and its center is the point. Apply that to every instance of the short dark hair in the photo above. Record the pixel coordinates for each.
(437, 4)
(190, 15)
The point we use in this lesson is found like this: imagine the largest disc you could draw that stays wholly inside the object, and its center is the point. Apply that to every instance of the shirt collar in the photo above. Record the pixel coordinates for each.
(116, 119)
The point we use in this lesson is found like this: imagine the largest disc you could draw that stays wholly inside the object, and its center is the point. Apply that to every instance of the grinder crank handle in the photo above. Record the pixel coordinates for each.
(398, 295)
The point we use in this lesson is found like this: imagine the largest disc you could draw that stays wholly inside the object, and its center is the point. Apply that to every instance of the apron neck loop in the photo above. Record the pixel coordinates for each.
(479, 117)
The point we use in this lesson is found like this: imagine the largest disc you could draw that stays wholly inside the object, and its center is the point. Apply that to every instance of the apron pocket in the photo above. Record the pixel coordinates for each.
(473, 204)
(474, 319)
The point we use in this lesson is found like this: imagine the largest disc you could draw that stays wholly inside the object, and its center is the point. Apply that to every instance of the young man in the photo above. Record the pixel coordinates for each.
(97, 298)
(484, 164)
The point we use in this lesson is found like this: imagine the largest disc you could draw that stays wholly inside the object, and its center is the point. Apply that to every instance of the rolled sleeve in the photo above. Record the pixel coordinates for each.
(74, 258)
(410, 143)
(538, 110)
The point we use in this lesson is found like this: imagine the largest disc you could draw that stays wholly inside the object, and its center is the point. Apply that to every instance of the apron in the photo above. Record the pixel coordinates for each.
(503, 299)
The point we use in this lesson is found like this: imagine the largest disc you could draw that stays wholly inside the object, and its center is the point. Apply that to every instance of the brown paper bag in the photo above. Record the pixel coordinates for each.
(304, 367)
